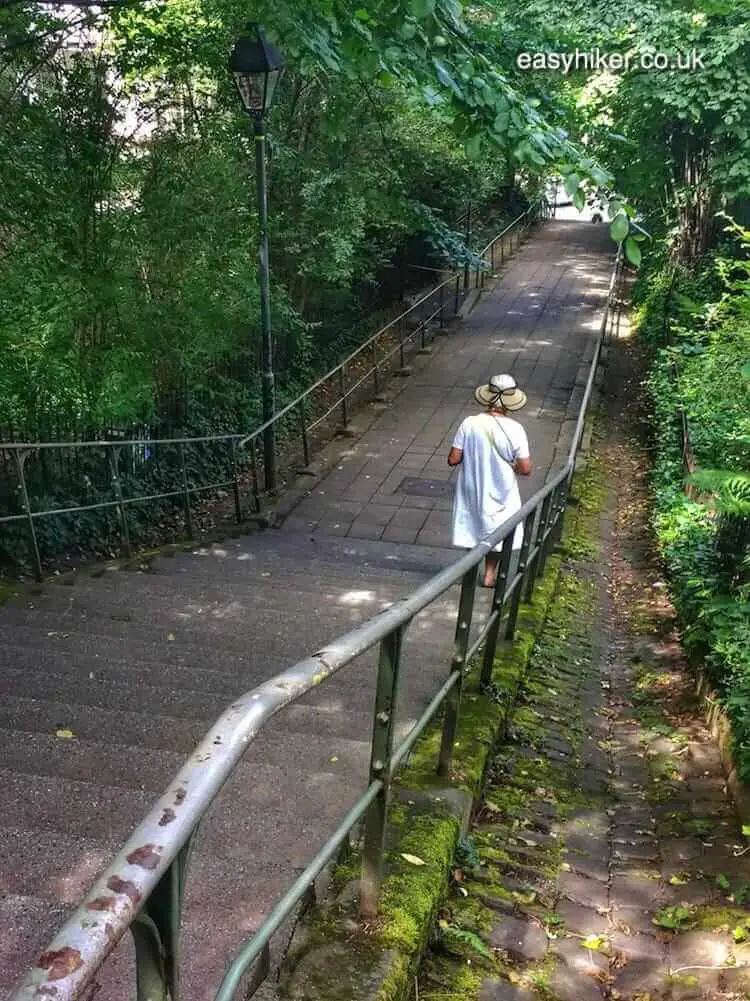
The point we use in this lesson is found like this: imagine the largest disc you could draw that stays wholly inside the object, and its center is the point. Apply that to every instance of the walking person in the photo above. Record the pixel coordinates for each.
(492, 450)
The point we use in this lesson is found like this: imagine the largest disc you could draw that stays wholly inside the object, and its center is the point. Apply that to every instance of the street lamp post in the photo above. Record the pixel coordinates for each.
(256, 68)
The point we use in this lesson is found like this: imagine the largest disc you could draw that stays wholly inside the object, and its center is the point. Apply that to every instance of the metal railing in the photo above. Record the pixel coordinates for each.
(142, 889)
(113, 473)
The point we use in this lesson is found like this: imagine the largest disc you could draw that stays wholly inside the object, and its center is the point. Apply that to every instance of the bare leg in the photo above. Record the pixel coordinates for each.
(491, 563)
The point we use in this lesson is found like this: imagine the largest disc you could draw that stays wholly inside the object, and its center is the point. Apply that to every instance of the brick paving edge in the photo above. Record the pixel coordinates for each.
(721, 730)
(335, 957)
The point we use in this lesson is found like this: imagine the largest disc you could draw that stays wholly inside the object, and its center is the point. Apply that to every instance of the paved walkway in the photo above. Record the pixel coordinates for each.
(611, 863)
(105, 686)
(539, 322)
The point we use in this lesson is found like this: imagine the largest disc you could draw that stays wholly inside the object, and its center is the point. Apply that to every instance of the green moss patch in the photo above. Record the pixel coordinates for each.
(518, 865)
(425, 820)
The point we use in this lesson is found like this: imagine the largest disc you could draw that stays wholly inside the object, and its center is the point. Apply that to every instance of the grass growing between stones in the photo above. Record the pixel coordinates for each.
(334, 955)
(496, 925)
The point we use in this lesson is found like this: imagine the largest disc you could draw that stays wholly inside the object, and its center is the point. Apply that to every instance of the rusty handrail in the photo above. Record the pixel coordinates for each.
(241, 444)
(142, 888)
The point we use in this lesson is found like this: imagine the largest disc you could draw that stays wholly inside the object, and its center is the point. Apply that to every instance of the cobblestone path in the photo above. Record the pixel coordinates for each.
(606, 860)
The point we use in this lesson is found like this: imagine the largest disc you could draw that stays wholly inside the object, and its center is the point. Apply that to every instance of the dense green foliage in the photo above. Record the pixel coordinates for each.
(127, 284)
(699, 328)
(128, 291)
(678, 144)
(677, 140)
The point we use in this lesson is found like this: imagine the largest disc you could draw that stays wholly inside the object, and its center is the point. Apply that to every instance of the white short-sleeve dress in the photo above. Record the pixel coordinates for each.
(487, 489)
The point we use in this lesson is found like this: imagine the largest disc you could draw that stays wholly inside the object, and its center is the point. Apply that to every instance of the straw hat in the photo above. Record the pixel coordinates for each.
(500, 391)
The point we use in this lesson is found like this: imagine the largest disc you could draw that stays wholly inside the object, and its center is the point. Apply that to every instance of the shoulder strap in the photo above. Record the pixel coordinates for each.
(507, 438)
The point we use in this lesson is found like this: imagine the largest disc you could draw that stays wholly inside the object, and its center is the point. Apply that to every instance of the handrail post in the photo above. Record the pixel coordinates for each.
(544, 545)
(515, 601)
(342, 390)
(20, 459)
(498, 600)
(541, 529)
(389, 664)
(458, 664)
(156, 934)
(236, 483)
(254, 475)
(619, 271)
(114, 462)
(468, 246)
(562, 504)
(186, 492)
(303, 431)
(375, 369)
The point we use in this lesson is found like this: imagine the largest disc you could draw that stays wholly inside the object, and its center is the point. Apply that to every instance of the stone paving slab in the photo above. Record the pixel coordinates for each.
(639, 889)
(538, 321)
(137, 665)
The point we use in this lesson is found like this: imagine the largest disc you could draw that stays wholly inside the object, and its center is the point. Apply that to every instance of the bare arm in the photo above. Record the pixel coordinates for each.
(455, 456)
(522, 467)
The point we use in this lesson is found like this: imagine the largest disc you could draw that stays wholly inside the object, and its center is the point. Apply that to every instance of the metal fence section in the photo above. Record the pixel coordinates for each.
(123, 480)
(142, 889)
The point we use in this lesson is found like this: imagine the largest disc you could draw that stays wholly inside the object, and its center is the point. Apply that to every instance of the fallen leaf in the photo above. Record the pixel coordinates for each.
(170, 636)
(334, 758)
(413, 859)
(595, 942)
(65, 734)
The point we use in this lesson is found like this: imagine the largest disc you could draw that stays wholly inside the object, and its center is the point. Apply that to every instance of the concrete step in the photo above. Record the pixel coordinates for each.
(319, 723)
(259, 658)
(112, 694)
(280, 633)
(151, 770)
(66, 679)
(263, 550)
(218, 583)
(27, 923)
(232, 900)
(241, 824)
(60, 867)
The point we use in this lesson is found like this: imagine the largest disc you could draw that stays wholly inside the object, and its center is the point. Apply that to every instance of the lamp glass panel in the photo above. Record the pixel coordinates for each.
(251, 90)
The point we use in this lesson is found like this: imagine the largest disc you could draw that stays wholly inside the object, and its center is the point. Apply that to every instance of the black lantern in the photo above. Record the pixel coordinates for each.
(256, 67)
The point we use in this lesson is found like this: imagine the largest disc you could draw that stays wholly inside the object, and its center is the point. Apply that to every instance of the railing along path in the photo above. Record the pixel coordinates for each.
(173, 465)
(142, 888)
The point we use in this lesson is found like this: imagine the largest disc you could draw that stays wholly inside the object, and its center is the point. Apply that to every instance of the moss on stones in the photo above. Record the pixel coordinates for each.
(711, 918)
(425, 823)
(411, 893)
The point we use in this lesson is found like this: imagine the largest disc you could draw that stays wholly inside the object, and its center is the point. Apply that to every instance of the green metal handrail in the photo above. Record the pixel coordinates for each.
(142, 889)
(431, 308)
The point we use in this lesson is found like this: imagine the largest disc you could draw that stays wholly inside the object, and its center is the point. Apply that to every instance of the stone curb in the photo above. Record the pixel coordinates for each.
(331, 956)
(721, 730)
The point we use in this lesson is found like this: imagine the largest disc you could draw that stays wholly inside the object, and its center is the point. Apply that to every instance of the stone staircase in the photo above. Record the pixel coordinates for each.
(108, 684)
(136, 665)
